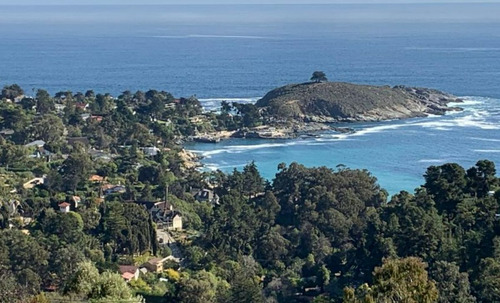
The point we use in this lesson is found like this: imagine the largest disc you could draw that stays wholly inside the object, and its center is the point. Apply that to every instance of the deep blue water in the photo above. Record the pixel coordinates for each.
(241, 52)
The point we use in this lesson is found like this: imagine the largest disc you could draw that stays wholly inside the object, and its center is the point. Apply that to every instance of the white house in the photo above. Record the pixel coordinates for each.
(64, 207)
(174, 221)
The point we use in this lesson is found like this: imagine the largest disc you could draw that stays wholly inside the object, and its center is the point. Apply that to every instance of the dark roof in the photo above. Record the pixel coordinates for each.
(174, 213)
(205, 194)
(150, 204)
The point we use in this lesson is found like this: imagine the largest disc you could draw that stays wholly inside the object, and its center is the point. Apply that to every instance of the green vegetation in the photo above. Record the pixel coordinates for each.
(310, 235)
(319, 76)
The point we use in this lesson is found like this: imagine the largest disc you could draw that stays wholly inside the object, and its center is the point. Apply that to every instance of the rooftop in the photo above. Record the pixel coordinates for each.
(127, 269)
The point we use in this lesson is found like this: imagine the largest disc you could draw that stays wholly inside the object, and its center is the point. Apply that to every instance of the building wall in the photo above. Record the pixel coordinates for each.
(177, 223)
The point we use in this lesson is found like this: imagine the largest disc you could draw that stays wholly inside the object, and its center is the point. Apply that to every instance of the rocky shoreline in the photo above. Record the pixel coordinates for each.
(298, 130)
(303, 111)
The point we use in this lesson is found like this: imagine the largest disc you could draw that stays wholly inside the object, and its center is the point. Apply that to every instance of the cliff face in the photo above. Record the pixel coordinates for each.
(334, 101)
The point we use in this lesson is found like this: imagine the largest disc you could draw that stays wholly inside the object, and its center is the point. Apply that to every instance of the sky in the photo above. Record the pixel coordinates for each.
(142, 2)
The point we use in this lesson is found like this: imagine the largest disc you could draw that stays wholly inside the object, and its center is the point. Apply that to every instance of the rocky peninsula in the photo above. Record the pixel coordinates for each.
(303, 110)
(330, 102)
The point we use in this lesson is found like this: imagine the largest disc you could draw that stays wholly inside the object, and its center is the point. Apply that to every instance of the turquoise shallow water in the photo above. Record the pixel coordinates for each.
(396, 152)
(239, 52)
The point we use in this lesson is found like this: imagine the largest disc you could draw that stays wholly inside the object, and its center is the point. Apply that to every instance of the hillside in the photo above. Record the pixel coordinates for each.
(336, 101)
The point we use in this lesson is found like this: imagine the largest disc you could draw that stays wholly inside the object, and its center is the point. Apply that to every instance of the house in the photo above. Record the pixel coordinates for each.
(82, 106)
(96, 154)
(40, 153)
(76, 200)
(33, 182)
(162, 206)
(129, 272)
(6, 132)
(36, 143)
(197, 119)
(96, 178)
(150, 151)
(96, 118)
(155, 264)
(207, 195)
(60, 107)
(163, 213)
(114, 189)
(64, 207)
(106, 187)
(174, 221)
(156, 209)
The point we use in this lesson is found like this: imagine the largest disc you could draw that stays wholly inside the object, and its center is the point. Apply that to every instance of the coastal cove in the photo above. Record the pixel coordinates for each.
(234, 60)
(200, 152)
(396, 152)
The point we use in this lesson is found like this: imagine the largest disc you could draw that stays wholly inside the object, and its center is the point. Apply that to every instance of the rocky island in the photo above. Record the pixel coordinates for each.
(304, 109)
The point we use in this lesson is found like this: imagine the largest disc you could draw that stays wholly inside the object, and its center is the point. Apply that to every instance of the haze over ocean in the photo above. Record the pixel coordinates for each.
(241, 52)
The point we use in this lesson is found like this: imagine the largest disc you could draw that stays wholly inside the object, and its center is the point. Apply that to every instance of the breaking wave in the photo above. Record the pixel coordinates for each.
(213, 104)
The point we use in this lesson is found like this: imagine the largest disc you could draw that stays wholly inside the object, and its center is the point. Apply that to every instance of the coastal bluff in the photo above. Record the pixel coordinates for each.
(329, 102)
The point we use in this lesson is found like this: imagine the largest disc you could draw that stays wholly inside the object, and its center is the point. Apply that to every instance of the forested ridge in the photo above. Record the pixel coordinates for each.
(72, 215)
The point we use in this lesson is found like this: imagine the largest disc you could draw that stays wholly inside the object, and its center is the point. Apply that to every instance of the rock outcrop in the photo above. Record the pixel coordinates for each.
(344, 102)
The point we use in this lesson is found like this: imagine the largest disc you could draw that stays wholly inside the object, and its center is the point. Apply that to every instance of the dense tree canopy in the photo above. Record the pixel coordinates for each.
(310, 234)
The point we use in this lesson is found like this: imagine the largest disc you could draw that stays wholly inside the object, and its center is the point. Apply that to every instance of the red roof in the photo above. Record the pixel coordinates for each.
(127, 269)
(64, 204)
(128, 276)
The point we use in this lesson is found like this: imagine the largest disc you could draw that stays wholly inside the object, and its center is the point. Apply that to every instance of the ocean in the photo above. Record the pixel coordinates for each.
(239, 52)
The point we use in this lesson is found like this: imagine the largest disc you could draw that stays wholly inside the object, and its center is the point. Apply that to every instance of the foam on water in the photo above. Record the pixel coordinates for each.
(235, 149)
(472, 117)
(484, 139)
(432, 161)
(394, 151)
(494, 151)
(377, 129)
(215, 166)
(454, 49)
(214, 104)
